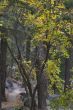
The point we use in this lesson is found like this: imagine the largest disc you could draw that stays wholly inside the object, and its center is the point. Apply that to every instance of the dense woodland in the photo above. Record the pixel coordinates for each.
(36, 52)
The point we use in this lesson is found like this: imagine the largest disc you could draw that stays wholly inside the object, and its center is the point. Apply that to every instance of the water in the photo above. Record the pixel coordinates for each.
(13, 90)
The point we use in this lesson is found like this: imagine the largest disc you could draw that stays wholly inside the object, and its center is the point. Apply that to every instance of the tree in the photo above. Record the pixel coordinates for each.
(3, 55)
(49, 32)
(3, 66)
(69, 33)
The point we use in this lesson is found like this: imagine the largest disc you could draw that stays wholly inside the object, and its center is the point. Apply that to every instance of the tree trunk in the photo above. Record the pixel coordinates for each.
(42, 82)
(41, 87)
(42, 91)
(28, 45)
(3, 66)
(68, 72)
(0, 88)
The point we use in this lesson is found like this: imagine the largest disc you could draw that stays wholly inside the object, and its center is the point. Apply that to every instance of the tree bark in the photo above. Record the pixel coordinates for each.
(0, 87)
(42, 91)
(28, 45)
(68, 72)
(3, 66)
(42, 82)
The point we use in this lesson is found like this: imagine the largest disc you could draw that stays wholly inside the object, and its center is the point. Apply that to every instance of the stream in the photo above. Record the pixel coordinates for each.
(13, 91)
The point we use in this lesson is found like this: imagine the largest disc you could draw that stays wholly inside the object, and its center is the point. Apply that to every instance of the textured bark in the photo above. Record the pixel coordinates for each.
(0, 86)
(68, 72)
(28, 45)
(42, 82)
(3, 66)
(42, 91)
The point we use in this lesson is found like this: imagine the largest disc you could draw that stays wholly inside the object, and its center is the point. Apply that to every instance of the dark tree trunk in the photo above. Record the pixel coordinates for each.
(67, 75)
(0, 82)
(68, 72)
(28, 46)
(42, 91)
(42, 85)
(0, 93)
(3, 66)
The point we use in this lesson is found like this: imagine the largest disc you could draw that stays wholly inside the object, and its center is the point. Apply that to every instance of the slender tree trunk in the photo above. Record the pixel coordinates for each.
(0, 97)
(0, 85)
(67, 75)
(3, 66)
(68, 72)
(28, 46)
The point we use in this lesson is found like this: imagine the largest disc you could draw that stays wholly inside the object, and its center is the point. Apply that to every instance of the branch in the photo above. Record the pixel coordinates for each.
(19, 52)
(22, 66)
(22, 70)
(33, 96)
(48, 45)
(46, 58)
